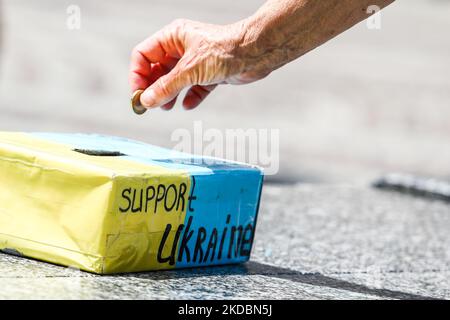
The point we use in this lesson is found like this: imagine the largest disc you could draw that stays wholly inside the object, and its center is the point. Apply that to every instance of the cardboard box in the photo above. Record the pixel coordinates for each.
(108, 205)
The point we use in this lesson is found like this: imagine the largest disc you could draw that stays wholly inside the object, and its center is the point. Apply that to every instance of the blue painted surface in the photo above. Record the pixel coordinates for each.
(233, 193)
(145, 153)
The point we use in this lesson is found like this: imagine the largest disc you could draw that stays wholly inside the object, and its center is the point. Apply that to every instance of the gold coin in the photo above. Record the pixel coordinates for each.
(136, 102)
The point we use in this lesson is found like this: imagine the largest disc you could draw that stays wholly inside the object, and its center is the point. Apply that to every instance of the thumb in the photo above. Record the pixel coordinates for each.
(166, 88)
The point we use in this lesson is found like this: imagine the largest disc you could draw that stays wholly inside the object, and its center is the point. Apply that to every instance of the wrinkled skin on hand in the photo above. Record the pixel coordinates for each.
(188, 54)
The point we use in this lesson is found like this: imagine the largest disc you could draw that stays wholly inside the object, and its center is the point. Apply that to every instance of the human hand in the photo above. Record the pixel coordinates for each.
(189, 54)
(199, 56)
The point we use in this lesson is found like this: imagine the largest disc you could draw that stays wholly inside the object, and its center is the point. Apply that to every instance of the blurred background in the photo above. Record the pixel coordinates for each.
(366, 103)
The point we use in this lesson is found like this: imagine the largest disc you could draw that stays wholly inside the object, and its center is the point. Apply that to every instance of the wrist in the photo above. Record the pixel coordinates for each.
(248, 49)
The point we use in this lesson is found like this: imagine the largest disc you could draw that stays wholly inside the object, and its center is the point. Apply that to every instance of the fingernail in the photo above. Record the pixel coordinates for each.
(148, 98)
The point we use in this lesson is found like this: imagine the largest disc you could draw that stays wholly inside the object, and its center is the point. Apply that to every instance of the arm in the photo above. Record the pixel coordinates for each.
(188, 54)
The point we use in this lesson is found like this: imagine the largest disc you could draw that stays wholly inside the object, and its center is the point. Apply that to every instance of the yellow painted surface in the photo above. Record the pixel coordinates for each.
(61, 206)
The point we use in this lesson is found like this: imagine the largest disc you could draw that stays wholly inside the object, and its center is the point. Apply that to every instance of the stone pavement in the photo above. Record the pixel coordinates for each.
(312, 242)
